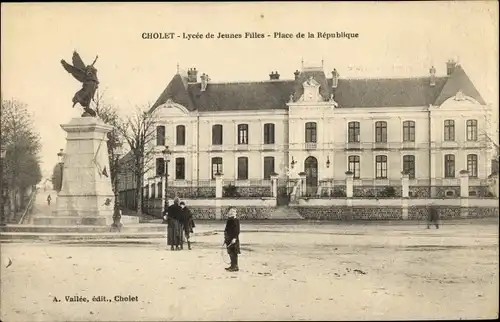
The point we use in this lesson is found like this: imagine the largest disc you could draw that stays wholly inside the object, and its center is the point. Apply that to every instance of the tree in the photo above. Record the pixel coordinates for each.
(57, 177)
(138, 130)
(21, 165)
(109, 115)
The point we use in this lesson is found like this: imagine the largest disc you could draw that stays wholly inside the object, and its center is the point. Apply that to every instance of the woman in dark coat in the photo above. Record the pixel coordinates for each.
(174, 230)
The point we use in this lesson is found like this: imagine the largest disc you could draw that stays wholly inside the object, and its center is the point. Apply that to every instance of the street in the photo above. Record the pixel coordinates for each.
(314, 273)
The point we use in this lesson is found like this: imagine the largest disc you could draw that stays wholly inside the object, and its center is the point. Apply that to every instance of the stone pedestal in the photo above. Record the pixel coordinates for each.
(218, 185)
(86, 197)
(464, 184)
(405, 183)
(303, 186)
(274, 186)
(349, 184)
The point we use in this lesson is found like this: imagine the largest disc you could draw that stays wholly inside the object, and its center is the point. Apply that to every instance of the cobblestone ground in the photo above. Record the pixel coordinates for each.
(318, 273)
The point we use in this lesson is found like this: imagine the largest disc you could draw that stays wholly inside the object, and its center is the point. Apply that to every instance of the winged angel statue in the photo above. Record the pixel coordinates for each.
(87, 75)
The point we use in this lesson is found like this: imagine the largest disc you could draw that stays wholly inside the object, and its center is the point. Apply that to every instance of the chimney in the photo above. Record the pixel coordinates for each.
(192, 75)
(204, 81)
(297, 73)
(450, 66)
(274, 76)
(432, 71)
(335, 78)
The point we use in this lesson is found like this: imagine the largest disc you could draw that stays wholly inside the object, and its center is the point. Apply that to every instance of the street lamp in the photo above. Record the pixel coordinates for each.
(328, 161)
(292, 164)
(117, 152)
(2, 183)
(60, 157)
(166, 157)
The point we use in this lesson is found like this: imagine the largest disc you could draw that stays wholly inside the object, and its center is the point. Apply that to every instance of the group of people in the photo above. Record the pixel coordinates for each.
(180, 223)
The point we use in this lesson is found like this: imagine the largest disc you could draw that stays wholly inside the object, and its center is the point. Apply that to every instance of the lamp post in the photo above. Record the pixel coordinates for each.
(328, 161)
(60, 157)
(117, 152)
(166, 157)
(2, 183)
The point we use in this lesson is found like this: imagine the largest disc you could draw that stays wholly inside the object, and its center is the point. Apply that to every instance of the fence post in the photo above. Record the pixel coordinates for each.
(349, 184)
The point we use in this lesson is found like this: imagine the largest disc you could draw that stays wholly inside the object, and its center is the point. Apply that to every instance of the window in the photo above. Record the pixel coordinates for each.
(353, 132)
(381, 166)
(160, 135)
(472, 165)
(160, 167)
(216, 166)
(268, 167)
(242, 168)
(409, 165)
(449, 166)
(160, 190)
(408, 131)
(354, 165)
(449, 130)
(153, 190)
(180, 169)
(311, 132)
(471, 130)
(242, 133)
(217, 134)
(381, 132)
(269, 133)
(180, 135)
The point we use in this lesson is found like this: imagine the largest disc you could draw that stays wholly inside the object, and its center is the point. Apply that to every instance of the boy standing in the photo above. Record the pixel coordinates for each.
(232, 240)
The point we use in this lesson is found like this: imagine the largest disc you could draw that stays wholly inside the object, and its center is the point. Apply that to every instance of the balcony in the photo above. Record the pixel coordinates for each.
(310, 146)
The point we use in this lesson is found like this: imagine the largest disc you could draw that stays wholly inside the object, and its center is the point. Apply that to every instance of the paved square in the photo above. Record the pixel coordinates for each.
(327, 272)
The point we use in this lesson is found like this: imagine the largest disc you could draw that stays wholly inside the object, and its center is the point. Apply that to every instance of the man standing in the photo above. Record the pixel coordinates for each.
(232, 239)
(49, 198)
(433, 216)
(188, 224)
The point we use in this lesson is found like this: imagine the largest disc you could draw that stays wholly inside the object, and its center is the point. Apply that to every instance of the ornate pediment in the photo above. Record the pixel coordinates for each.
(170, 108)
(459, 100)
(311, 91)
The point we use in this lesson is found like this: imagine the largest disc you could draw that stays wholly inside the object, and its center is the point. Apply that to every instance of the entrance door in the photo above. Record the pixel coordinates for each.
(311, 170)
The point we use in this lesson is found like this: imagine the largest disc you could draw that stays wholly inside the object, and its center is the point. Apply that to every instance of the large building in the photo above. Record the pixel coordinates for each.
(430, 127)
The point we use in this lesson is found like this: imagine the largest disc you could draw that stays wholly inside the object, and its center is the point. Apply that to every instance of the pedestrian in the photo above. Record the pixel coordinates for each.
(188, 223)
(433, 216)
(232, 239)
(49, 198)
(174, 227)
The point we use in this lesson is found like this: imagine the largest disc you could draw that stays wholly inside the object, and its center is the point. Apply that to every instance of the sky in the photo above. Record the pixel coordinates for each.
(396, 39)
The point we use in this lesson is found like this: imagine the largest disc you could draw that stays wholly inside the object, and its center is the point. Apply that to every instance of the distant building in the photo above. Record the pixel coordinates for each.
(430, 127)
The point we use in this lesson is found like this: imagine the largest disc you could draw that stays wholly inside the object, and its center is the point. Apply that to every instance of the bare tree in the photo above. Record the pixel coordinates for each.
(21, 166)
(138, 130)
(109, 115)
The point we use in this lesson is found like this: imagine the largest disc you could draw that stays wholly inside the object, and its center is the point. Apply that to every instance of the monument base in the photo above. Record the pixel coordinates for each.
(87, 220)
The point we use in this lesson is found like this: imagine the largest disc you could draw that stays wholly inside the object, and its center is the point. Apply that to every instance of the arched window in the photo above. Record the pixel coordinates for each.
(449, 166)
(216, 166)
(354, 165)
(381, 166)
(472, 165)
(471, 130)
(242, 133)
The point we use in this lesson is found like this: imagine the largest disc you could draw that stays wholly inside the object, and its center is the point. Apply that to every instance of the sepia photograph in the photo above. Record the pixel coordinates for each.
(240, 161)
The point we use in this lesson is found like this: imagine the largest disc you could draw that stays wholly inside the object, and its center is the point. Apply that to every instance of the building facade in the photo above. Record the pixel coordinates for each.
(430, 127)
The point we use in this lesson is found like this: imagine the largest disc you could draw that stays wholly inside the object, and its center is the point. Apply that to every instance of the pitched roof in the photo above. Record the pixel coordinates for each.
(275, 94)
(459, 81)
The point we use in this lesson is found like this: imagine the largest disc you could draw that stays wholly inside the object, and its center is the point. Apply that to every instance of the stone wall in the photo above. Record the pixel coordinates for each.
(371, 191)
(441, 191)
(350, 213)
(483, 212)
(478, 191)
(419, 192)
(422, 213)
(254, 191)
